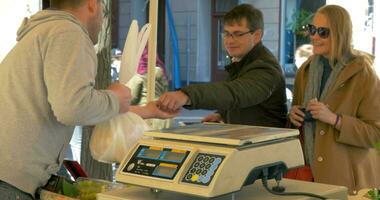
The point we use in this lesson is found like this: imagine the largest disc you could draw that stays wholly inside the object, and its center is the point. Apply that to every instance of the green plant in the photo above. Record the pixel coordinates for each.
(377, 146)
(300, 19)
(374, 194)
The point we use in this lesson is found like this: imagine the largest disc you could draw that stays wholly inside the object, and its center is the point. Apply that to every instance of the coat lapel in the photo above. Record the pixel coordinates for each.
(347, 72)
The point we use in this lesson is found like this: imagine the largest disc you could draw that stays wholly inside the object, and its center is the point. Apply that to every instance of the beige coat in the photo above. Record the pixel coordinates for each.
(347, 157)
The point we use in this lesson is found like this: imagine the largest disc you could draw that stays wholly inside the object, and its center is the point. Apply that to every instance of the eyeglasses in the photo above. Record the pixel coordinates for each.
(234, 36)
(323, 32)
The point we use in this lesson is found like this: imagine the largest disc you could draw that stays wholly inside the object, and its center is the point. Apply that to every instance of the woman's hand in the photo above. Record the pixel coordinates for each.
(321, 112)
(296, 116)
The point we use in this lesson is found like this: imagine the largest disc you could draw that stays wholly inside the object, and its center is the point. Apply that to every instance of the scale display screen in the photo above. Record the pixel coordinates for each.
(165, 170)
(150, 153)
(156, 161)
(174, 156)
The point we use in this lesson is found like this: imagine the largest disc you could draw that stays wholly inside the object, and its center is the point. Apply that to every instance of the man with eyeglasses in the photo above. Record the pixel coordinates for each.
(254, 93)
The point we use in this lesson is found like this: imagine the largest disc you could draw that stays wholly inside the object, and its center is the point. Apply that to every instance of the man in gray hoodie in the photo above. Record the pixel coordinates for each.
(47, 87)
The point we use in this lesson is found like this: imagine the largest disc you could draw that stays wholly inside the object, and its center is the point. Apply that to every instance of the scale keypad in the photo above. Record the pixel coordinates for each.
(202, 169)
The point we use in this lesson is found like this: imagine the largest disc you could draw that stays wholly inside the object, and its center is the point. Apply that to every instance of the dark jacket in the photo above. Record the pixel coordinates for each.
(254, 93)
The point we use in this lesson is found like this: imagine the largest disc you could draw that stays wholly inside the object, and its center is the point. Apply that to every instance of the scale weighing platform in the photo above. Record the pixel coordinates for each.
(206, 160)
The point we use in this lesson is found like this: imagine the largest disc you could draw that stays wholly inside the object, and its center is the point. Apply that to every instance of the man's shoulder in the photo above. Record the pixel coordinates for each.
(262, 56)
(63, 26)
(263, 67)
(51, 28)
(262, 64)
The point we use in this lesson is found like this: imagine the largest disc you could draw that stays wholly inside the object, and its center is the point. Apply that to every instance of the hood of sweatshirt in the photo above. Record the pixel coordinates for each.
(44, 16)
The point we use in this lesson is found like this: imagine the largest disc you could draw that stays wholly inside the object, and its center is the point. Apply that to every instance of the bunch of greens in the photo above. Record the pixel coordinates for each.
(374, 194)
(377, 146)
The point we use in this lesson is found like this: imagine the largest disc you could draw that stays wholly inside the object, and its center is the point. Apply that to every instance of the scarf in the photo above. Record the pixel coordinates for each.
(312, 91)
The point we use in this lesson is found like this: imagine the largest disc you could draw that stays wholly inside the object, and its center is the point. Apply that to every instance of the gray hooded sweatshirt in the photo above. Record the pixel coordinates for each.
(47, 87)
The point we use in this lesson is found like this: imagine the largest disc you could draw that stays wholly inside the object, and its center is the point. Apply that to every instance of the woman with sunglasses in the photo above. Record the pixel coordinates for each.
(337, 105)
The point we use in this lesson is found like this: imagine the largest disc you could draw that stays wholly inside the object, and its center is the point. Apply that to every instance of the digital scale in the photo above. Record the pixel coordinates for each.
(207, 160)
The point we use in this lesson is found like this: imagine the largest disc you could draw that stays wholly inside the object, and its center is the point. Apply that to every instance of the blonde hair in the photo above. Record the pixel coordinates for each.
(340, 26)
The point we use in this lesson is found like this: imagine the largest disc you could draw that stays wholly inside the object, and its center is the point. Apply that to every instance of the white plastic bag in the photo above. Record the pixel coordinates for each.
(111, 140)
(133, 49)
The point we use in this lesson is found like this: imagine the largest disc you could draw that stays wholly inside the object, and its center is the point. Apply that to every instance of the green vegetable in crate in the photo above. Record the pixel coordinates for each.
(374, 194)
(88, 189)
(69, 188)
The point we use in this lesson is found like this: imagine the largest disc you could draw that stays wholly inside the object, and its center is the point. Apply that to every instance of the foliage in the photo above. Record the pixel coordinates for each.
(377, 146)
(300, 19)
(374, 194)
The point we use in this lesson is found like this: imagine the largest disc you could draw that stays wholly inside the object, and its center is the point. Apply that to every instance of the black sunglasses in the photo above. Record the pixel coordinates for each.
(323, 32)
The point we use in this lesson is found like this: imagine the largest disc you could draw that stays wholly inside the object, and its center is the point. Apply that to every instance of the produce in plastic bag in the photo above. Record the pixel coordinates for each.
(111, 140)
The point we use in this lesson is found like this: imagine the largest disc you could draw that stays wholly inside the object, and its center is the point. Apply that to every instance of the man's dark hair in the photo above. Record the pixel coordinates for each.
(60, 4)
(253, 16)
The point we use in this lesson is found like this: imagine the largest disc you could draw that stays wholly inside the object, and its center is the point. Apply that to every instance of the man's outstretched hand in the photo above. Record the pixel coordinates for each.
(151, 110)
(161, 114)
(172, 101)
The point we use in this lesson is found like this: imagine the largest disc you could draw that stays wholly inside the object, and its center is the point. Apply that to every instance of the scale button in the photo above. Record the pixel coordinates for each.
(196, 164)
(188, 177)
(208, 166)
(199, 171)
(192, 170)
(202, 165)
(206, 159)
(217, 160)
(206, 179)
(194, 178)
(130, 167)
(200, 158)
(211, 160)
(210, 173)
(204, 172)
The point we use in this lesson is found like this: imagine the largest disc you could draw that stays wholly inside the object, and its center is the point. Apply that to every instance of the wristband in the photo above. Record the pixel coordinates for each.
(336, 120)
